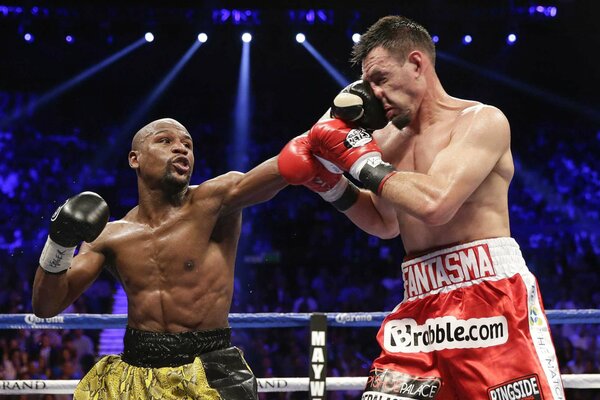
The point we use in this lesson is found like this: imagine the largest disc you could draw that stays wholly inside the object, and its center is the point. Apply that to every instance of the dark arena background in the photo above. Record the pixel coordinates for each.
(78, 79)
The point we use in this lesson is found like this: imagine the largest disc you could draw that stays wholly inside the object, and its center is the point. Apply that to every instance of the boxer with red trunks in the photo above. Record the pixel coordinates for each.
(472, 323)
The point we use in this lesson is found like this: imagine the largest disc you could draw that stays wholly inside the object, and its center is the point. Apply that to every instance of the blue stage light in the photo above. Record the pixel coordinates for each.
(467, 39)
(546, 11)
(311, 16)
(246, 37)
(202, 37)
(511, 38)
(235, 17)
(300, 38)
(356, 37)
(149, 37)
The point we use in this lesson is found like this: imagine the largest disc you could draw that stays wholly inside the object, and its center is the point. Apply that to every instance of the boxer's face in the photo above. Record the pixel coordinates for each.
(393, 82)
(164, 154)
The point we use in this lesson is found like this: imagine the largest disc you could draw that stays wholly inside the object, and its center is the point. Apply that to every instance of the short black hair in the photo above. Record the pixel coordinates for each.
(397, 34)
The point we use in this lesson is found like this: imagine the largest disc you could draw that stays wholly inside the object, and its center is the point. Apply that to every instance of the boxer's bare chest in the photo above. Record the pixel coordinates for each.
(416, 151)
(178, 244)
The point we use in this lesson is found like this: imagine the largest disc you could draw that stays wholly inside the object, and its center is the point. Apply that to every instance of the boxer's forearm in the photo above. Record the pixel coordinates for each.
(48, 293)
(380, 221)
(256, 186)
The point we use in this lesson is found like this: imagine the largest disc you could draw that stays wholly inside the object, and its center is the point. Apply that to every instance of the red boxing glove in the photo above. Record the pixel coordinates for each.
(298, 166)
(324, 180)
(352, 150)
(296, 163)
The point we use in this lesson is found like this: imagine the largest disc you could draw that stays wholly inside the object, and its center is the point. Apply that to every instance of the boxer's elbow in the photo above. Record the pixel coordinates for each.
(42, 307)
(437, 212)
(388, 232)
(42, 311)
(379, 227)
(383, 229)
(44, 314)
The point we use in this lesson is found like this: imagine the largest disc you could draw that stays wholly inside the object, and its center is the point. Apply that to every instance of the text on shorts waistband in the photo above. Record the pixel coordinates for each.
(455, 266)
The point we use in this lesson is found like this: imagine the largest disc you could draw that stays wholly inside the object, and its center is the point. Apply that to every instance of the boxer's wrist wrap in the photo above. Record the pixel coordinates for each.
(374, 173)
(55, 258)
(348, 198)
(336, 191)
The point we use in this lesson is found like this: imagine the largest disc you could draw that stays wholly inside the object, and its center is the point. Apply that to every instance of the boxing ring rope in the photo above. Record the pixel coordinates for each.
(258, 320)
(265, 385)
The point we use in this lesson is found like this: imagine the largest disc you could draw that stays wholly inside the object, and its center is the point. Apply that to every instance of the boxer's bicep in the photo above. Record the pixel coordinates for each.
(470, 157)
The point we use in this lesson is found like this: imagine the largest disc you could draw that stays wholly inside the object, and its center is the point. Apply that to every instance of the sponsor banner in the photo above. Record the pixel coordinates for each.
(318, 357)
(272, 384)
(447, 269)
(346, 318)
(406, 336)
(523, 388)
(17, 387)
(62, 321)
(22, 385)
(387, 384)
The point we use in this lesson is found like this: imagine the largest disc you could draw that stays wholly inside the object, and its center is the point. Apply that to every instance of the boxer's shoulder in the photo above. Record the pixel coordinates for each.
(479, 111)
(219, 183)
(479, 119)
(214, 189)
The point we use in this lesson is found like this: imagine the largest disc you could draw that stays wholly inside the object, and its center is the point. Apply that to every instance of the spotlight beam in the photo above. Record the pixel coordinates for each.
(240, 159)
(63, 87)
(160, 88)
(126, 130)
(241, 127)
(526, 88)
(335, 74)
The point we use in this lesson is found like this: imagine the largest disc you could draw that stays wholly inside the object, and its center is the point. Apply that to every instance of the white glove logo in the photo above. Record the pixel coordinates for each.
(357, 137)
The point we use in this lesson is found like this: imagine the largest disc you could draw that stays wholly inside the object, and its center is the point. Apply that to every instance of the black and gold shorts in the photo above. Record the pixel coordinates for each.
(188, 365)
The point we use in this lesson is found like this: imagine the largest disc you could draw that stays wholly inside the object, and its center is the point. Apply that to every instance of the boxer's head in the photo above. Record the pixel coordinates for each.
(162, 154)
(398, 59)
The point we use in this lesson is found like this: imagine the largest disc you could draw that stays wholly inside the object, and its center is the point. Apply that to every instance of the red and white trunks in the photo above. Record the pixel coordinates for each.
(471, 326)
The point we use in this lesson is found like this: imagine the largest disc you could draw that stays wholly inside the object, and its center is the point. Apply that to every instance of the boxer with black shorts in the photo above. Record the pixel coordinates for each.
(472, 323)
(174, 253)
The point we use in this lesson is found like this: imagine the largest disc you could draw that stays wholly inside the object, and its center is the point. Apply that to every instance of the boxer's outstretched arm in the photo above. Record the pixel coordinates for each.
(258, 185)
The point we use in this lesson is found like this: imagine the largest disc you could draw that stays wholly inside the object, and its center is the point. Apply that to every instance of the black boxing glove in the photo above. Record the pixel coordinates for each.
(356, 104)
(80, 218)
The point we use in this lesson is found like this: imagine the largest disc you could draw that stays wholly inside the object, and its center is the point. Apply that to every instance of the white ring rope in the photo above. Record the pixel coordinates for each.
(570, 381)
